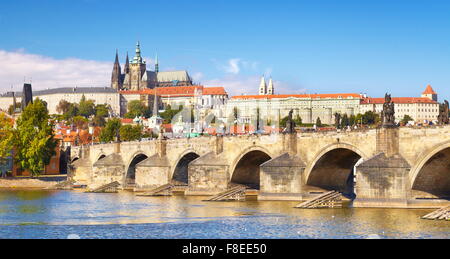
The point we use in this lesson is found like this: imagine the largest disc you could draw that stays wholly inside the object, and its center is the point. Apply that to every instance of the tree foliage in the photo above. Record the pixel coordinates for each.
(111, 130)
(34, 141)
(318, 122)
(6, 135)
(136, 109)
(406, 119)
(130, 133)
(86, 107)
(169, 113)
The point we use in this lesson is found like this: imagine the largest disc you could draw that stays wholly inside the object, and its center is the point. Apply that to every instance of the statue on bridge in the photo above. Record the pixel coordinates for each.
(388, 114)
(290, 124)
(443, 117)
(337, 120)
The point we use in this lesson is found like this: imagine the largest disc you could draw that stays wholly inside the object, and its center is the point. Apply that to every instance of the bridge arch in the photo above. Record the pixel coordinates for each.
(332, 168)
(180, 170)
(246, 167)
(431, 174)
(130, 172)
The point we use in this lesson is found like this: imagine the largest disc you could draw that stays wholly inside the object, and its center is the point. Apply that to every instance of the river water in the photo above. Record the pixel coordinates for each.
(63, 214)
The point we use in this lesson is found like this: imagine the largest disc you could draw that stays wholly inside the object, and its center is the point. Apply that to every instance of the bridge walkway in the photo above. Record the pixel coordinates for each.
(440, 214)
(107, 188)
(332, 199)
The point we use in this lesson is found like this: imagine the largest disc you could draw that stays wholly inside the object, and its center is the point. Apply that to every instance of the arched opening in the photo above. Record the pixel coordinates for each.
(433, 179)
(131, 172)
(247, 170)
(334, 171)
(181, 170)
(101, 157)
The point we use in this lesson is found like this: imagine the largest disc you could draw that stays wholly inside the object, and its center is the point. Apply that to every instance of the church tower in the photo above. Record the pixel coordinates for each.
(137, 70)
(271, 89)
(430, 94)
(263, 86)
(116, 81)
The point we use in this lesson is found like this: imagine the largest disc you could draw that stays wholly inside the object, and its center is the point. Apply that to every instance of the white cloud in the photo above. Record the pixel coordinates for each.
(47, 72)
(233, 66)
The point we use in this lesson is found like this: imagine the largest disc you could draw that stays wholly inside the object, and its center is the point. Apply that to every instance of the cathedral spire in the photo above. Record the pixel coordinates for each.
(271, 89)
(116, 74)
(117, 57)
(138, 58)
(263, 86)
(127, 65)
(156, 63)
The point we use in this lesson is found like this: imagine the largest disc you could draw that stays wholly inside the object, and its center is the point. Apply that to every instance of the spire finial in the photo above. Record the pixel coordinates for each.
(156, 63)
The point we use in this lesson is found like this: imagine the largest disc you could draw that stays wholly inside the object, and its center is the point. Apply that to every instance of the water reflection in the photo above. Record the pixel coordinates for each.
(58, 214)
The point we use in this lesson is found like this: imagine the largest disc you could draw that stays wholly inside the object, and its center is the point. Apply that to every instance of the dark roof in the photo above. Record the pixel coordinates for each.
(66, 90)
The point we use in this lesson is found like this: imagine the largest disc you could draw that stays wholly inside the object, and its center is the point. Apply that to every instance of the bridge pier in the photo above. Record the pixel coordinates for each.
(107, 170)
(208, 175)
(152, 173)
(382, 181)
(282, 178)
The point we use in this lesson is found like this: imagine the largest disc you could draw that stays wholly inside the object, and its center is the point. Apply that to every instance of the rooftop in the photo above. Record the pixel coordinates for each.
(397, 100)
(429, 90)
(300, 96)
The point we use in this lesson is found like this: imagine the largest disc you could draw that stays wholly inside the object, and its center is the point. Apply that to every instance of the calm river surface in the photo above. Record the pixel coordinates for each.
(60, 214)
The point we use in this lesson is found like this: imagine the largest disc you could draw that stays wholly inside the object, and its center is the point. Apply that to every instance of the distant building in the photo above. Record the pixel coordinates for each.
(135, 75)
(420, 109)
(101, 95)
(308, 106)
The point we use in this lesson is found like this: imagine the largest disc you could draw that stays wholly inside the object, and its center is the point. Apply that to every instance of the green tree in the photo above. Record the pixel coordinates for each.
(345, 121)
(102, 110)
(6, 136)
(169, 113)
(318, 122)
(110, 131)
(34, 138)
(63, 107)
(406, 119)
(86, 107)
(298, 120)
(370, 118)
(135, 109)
(72, 111)
(352, 120)
(130, 133)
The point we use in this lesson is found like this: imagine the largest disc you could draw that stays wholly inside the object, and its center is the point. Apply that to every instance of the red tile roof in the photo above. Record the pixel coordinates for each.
(429, 90)
(214, 91)
(398, 100)
(312, 96)
(181, 91)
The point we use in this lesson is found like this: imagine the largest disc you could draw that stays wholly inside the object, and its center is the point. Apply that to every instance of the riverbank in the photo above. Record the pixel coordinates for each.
(42, 182)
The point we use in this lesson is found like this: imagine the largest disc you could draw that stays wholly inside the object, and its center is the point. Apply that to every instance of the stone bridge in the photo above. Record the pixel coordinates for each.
(386, 167)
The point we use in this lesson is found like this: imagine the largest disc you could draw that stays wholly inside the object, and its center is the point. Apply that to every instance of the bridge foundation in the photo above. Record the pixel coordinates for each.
(208, 175)
(152, 173)
(107, 170)
(282, 178)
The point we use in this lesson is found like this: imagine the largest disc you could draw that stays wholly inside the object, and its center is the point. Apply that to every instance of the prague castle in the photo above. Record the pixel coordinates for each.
(135, 75)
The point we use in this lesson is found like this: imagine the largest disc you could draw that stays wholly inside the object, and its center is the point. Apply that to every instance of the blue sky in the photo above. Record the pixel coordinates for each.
(320, 46)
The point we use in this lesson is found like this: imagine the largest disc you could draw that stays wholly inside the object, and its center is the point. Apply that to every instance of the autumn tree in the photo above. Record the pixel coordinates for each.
(6, 136)
(34, 141)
